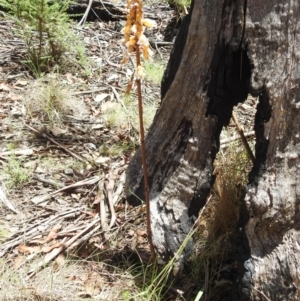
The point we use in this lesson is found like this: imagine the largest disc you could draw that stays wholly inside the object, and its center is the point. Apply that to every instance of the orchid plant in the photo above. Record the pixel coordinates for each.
(136, 42)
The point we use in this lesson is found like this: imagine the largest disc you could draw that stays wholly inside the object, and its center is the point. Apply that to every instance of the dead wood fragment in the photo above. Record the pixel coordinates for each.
(22, 152)
(84, 17)
(103, 10)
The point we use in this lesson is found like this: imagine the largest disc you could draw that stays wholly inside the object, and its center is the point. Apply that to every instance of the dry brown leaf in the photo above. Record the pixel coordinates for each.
(29, 250)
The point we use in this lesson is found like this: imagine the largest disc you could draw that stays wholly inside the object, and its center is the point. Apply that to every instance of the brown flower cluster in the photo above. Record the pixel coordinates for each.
(134, 31)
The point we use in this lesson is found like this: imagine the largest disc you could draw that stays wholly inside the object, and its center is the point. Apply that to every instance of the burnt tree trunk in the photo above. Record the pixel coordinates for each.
(225, 50)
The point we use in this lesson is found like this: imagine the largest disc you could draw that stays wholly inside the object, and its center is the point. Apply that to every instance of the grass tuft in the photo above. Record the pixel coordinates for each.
(154, 71)
(50, 101)
(14, 174)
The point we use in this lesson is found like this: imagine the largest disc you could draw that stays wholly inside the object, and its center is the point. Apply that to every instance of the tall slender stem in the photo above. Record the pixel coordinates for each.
(143, 151)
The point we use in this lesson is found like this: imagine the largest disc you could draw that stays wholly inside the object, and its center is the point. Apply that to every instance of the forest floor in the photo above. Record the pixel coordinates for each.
(66, 140)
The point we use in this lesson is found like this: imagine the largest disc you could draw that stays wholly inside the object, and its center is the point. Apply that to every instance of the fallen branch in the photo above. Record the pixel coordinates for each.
(84, 17)
(48, 181)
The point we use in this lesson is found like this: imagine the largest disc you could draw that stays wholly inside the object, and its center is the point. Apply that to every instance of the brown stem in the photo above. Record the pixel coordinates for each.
(143, 150)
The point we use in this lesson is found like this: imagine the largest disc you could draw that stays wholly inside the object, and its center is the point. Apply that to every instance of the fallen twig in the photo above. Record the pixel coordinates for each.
(62, 248)
(102, 207)
(56, 143)
(244, 140)
(86, 13)
(48, 181)
(85, 237)
(88, 91)
(109, 188)
(40, 199)
(226, 141)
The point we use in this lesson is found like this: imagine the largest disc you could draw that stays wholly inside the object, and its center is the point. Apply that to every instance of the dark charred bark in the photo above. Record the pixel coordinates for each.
(225, 50)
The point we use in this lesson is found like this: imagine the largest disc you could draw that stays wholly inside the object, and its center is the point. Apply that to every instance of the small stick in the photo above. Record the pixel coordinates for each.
(109, 188)
(244, 140)
(36, 229)
(226, 141)
(47, 196)
(22, 152)
(48, 181)
(100, 198)
(56, 143)
(86, 13)
(5, 200)
(85, 237)
(89, 91)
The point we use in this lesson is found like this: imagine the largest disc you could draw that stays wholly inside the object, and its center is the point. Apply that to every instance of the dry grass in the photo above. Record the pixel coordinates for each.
(126, 116)
(49, 100)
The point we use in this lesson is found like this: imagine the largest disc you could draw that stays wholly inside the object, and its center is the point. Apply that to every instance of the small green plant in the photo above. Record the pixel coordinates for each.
(44, 26)
(14, 173)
